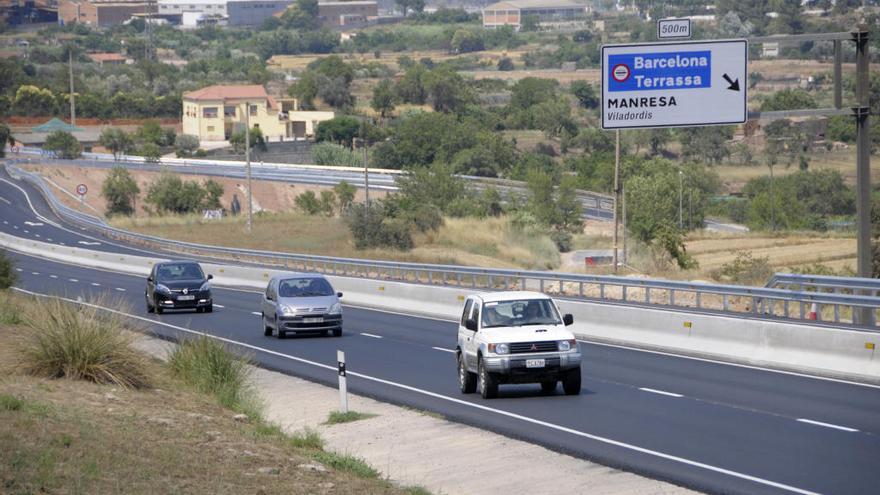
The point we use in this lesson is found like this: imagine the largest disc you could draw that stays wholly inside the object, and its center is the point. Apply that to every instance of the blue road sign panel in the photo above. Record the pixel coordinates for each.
(665, 70)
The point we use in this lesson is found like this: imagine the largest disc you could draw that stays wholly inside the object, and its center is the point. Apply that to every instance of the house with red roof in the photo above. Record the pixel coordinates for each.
(214, 113)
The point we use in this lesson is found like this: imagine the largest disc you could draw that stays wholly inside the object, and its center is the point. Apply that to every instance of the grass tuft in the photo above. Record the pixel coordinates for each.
(11, 403)
(213, 369)
(347, 463)
(416, 490)
(10, 309)
(308, 439)
(62, 340)
(337, 417)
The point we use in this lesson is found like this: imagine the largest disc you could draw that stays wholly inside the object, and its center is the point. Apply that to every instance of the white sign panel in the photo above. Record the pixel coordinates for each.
(673, 29)
(674, 84)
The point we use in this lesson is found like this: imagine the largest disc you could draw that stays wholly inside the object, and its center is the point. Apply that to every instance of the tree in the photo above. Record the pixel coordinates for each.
(531, 91)
(335, 92)
(327, 201)
(705, 144)
(407, 5)
(569, 208)
(169, 194)
(506, 64)
(8, 277)
(151, 152)
(789, 99)
(411, 88)
(447, 90)
(530, 23)
(302, 15)
(344, 194)
(585, 93)
(186, 144)
(305, 90)
(63, 145)
(213, 193)
(340, 130)
(466, 40)
(120, 190)
(117, 141)
(5, 137)
(34, 101)
(383, 98)
(238, 140)
(151, 132)
(308, 202)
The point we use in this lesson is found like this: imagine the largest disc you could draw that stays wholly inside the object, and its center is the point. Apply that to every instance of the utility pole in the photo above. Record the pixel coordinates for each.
(772, 203)
(72, 97)
(680, 193)
(616, 191)
(366, 172)
(148, 30)
(247, 161)
(623, 199)
(863, 163)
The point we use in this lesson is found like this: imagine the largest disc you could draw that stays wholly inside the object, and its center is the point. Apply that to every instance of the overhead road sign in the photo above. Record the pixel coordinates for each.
(673, 29)
(674, 84)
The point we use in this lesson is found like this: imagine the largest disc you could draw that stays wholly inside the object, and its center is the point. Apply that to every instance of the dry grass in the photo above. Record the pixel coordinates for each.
(62, 340)
(783, 251)
(473, 242)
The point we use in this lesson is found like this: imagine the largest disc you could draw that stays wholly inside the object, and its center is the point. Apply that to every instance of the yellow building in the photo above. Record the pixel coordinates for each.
(215, 112)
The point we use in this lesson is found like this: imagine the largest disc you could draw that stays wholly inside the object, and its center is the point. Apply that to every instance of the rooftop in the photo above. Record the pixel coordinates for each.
(511, 296)
(232, 92)
(107, 57)
(535, 4)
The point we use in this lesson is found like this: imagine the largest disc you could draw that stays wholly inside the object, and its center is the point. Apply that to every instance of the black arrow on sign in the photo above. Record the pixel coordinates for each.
(734, 85)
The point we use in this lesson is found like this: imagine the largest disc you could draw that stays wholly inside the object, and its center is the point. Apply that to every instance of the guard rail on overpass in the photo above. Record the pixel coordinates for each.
(730, 300)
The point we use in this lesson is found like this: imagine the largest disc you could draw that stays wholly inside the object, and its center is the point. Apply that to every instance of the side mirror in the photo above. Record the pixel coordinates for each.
(210, 277)
(339, 294)
(149, 279)
(567, 319)
(471, 324)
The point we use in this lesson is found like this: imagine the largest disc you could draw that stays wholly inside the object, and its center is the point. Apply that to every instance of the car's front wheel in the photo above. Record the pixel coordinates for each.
(150, 308)
(467, 381)
(488, 382)
(279, 333)
(267, 330)
(572, 381)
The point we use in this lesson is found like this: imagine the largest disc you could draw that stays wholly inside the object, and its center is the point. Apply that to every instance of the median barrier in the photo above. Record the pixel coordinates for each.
(820, 350)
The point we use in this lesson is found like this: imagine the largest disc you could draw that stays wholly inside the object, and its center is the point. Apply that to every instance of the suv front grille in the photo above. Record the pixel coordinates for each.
(523, 347)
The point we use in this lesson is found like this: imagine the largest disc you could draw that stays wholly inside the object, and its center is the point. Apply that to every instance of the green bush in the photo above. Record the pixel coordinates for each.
(327, 153)
(63, 144)
(308, 202)
(64, 340)
(120, 190)
(344, 194)
(745, 269)
(370, 228)
(7, 271)
(211, 368)
(425, 218)
(170, 194)
(506, 64)
(562, 239)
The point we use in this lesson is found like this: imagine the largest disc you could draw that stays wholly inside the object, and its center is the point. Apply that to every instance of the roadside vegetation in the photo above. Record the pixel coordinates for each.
(87, 410)
(339, 417)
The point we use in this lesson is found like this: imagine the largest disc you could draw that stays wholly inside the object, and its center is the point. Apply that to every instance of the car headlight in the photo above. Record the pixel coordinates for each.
(287, 310)
(567, 345)
(335, 309)
(205, 286)
(163, 290)
(499, 348)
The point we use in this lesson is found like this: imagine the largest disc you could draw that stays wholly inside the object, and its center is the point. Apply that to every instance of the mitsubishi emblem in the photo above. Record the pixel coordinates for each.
(534, 347)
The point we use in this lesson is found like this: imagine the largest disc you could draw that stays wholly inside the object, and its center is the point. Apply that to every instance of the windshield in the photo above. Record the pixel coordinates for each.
(304, 287)
(520, 313)
(179, 271)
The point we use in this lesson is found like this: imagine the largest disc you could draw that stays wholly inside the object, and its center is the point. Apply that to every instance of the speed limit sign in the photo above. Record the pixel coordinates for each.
(82, 189)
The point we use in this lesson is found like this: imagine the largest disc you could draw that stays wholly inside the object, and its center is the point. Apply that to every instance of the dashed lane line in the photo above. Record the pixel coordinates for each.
(828, 425)
(371, 335)
(660, 392)
(442, 349)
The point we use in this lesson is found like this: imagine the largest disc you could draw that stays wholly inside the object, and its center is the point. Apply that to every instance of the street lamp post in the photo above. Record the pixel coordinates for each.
(247, 161)
(680, 194)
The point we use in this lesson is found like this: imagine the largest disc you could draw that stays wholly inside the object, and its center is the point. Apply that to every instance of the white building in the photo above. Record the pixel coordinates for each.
(191, 11)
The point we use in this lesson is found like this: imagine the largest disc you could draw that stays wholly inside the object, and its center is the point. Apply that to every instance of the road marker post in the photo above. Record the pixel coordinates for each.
(343, 388)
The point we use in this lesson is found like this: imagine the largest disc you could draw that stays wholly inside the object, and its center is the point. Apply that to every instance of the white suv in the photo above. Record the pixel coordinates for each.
(516, 337)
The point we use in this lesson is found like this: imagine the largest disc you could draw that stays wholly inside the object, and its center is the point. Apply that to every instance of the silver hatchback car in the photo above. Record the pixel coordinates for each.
(301, 303)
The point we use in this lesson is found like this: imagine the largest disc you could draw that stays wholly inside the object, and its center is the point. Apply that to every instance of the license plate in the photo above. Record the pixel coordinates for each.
(313, 320)
(186, 298)
(534, 363)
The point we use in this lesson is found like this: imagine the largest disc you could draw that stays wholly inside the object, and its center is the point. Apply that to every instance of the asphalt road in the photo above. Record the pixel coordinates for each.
(711, 426)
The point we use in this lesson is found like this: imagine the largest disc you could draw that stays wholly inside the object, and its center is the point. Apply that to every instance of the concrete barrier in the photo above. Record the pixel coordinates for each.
(832, 352)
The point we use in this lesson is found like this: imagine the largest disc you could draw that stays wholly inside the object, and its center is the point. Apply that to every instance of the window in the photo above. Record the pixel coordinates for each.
(253, 111)
(467, 309)
(304, 287)
(209, 112)
(210, 128)
(520, 313)
(229, 111)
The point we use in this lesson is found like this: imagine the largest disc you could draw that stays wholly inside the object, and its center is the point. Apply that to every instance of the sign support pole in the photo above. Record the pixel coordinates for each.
(247, 160)
(863, 164)
(616, 191)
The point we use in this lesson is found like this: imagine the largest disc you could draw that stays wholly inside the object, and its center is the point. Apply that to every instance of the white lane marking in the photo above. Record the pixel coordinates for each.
(371, 335)
(31, 205)
(15, 227)
(33, 224)
(725, 363)
(120, 289)
(53, 276)
(19, 270)
(62, 243)
(26, 231)
(5, 201)
(219, 306)
(35, 273)
(655, 391)
(49, 239)
(96, 284)
(73, 280)
(257, 313)
(500, 412)
(5, 222)
(88, 243)
(37, 236)
(444, 350)
(828, 425)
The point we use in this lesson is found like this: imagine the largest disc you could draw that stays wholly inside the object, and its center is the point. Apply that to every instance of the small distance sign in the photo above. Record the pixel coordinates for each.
(673, 29)
(82, 189)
